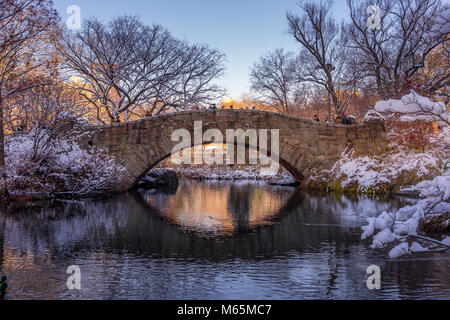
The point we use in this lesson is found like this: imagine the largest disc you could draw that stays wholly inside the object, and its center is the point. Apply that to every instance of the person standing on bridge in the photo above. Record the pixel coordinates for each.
(316, 118)
(345, 119)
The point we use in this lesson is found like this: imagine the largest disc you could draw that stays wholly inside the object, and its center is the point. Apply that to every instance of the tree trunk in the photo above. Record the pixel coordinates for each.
(329, 108)
(2, 137)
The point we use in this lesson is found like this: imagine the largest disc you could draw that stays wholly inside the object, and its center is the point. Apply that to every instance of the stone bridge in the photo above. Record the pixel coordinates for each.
(305, 145)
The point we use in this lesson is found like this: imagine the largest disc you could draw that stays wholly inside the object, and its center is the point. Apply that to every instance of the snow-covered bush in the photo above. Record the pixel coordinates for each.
(59, 167)
(383, 173)
(415, 152)
(398, 226)
(408, 121)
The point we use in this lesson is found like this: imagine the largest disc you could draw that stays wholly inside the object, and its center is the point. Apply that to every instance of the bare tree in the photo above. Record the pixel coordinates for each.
(272, 79)
(322, 58)
(125, 64)
(22, 26)
(434, 78)
(391, 54)
(50, 112)
(193, 85)
(435, 75)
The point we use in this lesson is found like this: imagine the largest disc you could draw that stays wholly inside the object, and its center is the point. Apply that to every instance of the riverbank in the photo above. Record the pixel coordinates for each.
(385, 173)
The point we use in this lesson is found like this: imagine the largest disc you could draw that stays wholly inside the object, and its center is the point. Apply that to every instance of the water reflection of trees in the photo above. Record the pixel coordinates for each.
(302, 221)
(124, 238)
(239, 206)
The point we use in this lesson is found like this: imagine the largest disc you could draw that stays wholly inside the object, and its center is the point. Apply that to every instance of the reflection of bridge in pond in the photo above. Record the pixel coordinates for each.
(222, 209)
(304, 145)
(130, 222)
(125, 248)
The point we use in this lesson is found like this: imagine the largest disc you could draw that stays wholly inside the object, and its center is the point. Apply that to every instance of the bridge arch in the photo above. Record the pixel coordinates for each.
(282, 162)
(305, 145)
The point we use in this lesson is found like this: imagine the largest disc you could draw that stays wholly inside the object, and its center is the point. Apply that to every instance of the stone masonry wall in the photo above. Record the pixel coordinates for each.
(305, 145)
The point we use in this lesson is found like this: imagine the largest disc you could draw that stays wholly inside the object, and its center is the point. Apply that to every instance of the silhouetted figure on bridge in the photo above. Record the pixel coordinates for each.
(345, 120)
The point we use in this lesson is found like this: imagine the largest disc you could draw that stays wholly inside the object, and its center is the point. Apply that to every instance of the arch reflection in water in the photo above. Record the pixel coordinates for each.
(217, 208)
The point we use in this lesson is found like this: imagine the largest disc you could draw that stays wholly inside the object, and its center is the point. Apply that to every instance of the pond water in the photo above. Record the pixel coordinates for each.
(216, 240)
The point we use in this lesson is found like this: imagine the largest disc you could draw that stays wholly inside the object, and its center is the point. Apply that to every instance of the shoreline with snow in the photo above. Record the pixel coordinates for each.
(237, 173)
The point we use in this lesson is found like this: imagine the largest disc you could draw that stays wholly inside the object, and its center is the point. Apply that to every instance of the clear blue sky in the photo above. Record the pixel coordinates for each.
(243, 30)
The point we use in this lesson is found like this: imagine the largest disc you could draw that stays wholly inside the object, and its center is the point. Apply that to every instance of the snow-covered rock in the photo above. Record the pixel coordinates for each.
(431, 165)
(235, 173)
(283, 181)
(368, 229)
(382, 238)
(373, 116)
(159, 178)
(399, 250)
